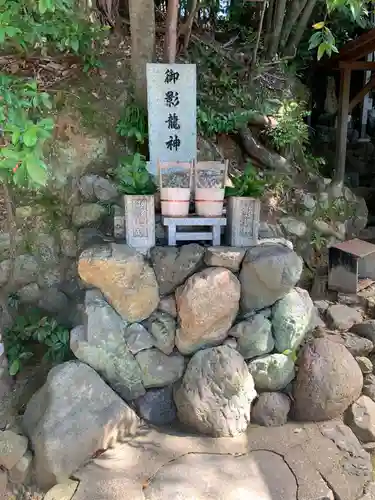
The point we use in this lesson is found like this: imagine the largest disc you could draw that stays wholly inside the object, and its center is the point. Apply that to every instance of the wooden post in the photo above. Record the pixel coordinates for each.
(342, 126)
(170, 41)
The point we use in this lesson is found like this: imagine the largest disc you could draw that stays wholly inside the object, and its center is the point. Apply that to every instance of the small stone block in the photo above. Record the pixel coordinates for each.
(119, 223)
(18, 474)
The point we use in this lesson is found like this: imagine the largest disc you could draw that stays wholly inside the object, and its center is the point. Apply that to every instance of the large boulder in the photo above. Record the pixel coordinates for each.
(268, 273)
(173, 265)
(101, 344)
(328, 381)
(291, 319)
(216, 392)
(207, 305)
(254, 336)
(126, 280)
(74, 415)
(272, 372)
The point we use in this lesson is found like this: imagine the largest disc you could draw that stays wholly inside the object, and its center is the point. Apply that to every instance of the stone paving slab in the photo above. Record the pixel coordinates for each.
(320, 462)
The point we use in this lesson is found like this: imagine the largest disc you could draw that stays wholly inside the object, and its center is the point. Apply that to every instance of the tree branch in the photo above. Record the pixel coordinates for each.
(294, 11)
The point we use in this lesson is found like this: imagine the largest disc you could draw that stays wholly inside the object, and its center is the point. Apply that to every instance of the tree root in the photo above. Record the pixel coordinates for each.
(262, 156)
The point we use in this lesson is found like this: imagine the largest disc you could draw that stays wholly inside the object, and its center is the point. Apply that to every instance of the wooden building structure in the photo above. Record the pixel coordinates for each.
(352, 57)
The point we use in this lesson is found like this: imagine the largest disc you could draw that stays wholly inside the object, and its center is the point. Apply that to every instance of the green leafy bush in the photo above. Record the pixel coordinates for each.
(133, 123)
(24, 132)
(41, 26)
(133, 177)
(248, 183)
(211, 122)
(291, 128)
(31, 330)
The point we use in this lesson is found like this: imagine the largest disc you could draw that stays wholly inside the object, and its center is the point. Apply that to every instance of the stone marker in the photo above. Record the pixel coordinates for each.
(171, 95)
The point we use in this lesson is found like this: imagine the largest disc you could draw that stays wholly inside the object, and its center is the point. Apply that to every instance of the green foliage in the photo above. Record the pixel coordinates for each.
(26, 27)
(211, 122)
(248, 183)
(43, 25)
(133, 177)
(291, 129)
(133, 123)
(24, 131)
(323, 39)
(31, 330)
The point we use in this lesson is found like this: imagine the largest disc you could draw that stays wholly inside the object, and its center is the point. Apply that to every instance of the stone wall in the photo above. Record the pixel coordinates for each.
(197, 333)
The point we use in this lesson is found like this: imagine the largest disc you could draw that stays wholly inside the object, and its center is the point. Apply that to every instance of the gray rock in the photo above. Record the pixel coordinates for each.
(89, 236)
(268, 273)
(173, 265)
(159, 370)
(88, 214)
(29, 294)
(12, 448)
(357, 346)
(322, 306)
(53, 301)
(68, 242)
(207, 305)
(64, 491)
(50, 278)
(124, 277)
(343, 317)
(22, 470)
(71, 417)
(360, 417)
(157, 406)
(229, 257)
(259, 475)
(230, 342)
(168, 305)
(46, 248)
(105, 190)
(272, 372)
(103, 347)
(291, 319)
(163, 329)
(369, 386)
(365, 364)
(328, 381)
(271, 409)
(138, 338)
(293, 226)
(254, 336)
(94, 187)
(365, 329)
(26, 270)
(216, 392)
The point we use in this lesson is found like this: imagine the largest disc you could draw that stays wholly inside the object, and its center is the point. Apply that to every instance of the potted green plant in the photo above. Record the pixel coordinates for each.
(138, 188)
(243, 209)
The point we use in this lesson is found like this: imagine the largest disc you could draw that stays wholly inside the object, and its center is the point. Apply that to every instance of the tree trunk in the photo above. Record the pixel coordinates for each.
(269, 23)
(293, 12)
(170, 40)
(277, 27)
(142, 25)
(295, 39)
(187, 28)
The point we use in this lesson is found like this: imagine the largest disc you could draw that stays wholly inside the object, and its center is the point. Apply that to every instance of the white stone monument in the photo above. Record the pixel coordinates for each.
(172, 125)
